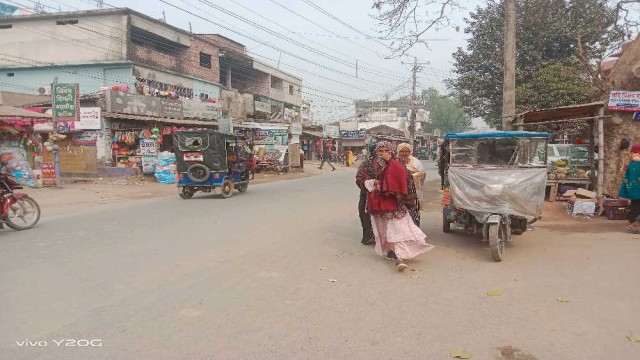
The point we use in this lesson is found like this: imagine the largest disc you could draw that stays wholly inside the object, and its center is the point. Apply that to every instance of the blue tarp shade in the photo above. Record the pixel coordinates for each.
(498, 135)
(6, 9)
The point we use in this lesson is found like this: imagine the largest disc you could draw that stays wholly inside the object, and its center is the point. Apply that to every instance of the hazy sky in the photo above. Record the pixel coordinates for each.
(332, 87)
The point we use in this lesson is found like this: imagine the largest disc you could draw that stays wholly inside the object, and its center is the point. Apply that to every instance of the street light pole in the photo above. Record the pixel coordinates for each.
(414, 108)
(56, 148)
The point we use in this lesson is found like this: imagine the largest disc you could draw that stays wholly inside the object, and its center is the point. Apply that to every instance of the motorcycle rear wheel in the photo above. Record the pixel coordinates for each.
(18, 213)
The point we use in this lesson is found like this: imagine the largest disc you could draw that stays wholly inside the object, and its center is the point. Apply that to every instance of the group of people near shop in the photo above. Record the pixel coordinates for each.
(390, 183)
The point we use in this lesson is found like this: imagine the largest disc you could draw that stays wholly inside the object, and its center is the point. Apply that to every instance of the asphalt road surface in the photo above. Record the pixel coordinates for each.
(279, 273)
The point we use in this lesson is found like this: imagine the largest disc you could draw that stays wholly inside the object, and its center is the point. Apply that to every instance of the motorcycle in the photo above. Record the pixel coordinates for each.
(18, 210)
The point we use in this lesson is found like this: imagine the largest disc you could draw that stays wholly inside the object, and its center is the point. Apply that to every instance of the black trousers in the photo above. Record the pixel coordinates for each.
(365, 218)
(328, 161)
(635, 211)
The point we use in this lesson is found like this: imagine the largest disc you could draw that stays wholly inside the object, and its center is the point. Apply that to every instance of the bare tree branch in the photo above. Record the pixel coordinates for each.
(409, 20)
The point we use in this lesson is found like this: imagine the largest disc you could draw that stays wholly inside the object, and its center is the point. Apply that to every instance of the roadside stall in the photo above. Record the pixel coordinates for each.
(20, 147)
(575, 159)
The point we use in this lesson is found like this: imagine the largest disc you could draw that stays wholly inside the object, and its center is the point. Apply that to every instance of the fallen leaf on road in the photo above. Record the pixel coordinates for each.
(494, 293)
(333, 280)
(563, 299)
(460, 355)
(415, 277)
(633, 337)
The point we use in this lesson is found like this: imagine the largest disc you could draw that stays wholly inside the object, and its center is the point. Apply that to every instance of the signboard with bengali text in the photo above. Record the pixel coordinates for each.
(66, 102)
(622, 100)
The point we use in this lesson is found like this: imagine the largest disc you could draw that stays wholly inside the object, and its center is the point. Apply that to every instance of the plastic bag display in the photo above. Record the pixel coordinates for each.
(483, 192)
(165, 168)
(15, 164)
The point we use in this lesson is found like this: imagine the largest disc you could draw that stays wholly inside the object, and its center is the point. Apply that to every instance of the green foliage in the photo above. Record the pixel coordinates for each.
(552, 86)
(547, 36)
(446, 112)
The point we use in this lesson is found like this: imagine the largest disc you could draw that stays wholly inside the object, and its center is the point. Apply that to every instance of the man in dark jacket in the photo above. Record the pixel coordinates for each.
(326, 157)
(366, 171)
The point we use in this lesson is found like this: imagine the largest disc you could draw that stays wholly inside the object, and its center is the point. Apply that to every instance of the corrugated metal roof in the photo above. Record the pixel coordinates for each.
(580, 111)
(18, 99)
(15, 112)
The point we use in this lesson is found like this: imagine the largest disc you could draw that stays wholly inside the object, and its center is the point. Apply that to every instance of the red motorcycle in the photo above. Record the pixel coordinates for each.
(18, 210)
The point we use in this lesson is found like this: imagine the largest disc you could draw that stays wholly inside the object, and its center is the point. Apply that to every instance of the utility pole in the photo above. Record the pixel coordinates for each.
(56, 147)
(414, 107)
(509, 84)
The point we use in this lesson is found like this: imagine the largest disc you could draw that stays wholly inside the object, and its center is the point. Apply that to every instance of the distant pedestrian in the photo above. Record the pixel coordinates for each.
(348, 157)
(326, 158)
(630, 189)
(397, 236)
(301, 158)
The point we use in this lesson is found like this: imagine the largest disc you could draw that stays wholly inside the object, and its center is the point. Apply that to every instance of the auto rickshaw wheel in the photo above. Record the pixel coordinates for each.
(187, 193)
(496, 241)
(243, 187)
(198, 173)
(227, 189)
(446, 225)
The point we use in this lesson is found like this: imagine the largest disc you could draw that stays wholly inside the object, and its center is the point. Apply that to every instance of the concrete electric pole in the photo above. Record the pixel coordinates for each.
(509, 84)
(414, 107)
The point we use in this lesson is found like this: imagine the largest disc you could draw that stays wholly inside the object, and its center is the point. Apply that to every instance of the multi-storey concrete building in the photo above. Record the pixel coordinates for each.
(127, 49)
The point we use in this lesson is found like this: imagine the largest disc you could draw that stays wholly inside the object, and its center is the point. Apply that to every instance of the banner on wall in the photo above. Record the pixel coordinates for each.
(89, 119)
(149, 154)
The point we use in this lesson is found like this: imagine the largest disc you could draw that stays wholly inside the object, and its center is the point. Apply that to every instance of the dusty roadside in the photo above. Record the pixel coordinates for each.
(77, 195)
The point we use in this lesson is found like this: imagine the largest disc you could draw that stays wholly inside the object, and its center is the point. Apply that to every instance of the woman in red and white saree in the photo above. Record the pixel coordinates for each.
(397, 236)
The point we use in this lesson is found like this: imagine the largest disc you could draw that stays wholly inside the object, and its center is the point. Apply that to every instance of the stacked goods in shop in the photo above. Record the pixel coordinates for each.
(559, 171)
(166, 168)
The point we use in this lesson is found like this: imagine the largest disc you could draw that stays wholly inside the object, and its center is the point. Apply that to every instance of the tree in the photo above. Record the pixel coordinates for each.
(552, 86)
(446, 113)
(405, 23)
(577, 34)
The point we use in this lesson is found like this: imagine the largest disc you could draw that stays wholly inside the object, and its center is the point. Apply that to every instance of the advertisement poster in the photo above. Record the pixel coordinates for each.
(272, 137)
(85, 138)
(149, 152)
(296, 128)
(620, 100)
(48, 174)
(89, 119)
(331, 131)
(225, 125)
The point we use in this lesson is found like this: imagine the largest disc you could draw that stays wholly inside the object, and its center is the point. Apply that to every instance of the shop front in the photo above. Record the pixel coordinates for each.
(353, 140)
(20, 146)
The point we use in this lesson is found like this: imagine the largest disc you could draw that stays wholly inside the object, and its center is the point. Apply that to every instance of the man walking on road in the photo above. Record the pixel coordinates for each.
(326, 157)
(365, 172)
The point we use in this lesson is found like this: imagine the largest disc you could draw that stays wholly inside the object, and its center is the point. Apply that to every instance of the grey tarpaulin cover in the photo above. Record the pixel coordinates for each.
(500, 191)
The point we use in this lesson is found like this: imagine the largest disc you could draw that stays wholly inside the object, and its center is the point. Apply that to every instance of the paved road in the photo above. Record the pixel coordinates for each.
(248, 278)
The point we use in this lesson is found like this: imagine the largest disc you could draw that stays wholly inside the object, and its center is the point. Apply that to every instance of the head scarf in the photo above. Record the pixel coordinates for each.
(404, 146)
(379, 160)
(386, 144)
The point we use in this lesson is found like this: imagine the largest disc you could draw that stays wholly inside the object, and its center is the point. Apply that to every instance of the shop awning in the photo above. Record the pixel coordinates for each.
(317, 134)
(353, 142)
(581, 112)
(10, 112)
(168, 121)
